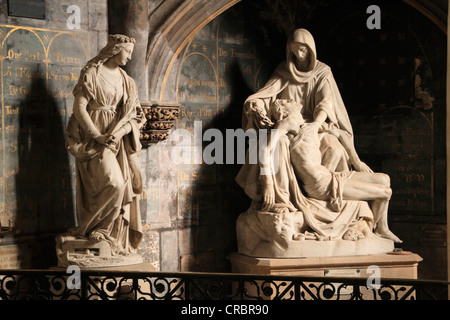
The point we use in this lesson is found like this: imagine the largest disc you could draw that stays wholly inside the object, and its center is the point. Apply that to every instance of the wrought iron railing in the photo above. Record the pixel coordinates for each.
(113, 285)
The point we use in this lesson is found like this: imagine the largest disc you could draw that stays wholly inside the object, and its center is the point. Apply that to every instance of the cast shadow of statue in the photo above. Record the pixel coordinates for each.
(218, 197)
(43, 182)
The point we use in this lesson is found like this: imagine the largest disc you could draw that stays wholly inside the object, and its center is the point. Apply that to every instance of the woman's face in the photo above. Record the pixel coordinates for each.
(124, 55)
(300, 51)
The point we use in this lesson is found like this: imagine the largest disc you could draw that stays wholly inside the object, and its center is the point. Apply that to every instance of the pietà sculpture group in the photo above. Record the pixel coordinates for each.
(320, 199)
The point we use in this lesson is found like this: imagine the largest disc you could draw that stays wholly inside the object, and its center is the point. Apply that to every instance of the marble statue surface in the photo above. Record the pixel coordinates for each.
(319, 198)
(103, 136)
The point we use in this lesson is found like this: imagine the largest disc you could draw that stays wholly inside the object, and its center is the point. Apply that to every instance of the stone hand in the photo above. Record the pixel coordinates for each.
(263, 120)
(254, 105)
(256, 109)
(105, 139)
(118, 135)
(362, 167)
(333, 130)
(268, 198)
(268, 192)
(309, 128)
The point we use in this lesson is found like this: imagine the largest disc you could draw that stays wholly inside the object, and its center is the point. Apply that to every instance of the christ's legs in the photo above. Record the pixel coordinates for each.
(380, 212)
(373, 186)
(367, 186)
(378, 178)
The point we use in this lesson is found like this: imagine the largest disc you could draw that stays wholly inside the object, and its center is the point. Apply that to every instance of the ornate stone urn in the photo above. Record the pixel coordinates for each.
(161, 117)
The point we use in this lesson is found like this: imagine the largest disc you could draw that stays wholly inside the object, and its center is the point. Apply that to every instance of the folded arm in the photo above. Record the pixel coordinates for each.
(83, 118)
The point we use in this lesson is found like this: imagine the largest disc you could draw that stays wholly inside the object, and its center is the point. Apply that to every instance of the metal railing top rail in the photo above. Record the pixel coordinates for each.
(222, 275)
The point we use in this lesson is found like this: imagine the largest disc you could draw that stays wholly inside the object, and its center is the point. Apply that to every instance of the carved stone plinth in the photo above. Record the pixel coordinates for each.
(161, 117)
(391, 266)
(401, 265)
(86, 253)
(269, 235)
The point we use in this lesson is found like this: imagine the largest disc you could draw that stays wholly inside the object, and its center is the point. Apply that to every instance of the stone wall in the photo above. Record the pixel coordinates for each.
(40, 63)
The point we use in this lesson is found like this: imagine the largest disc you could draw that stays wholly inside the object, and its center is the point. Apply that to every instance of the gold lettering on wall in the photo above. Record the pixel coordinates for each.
(35, 64)
(409, 161)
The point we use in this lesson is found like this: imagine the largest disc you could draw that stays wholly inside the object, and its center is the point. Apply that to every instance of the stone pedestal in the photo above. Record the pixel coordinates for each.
(86, 253)
(390, 266)
(139, 267)
(395, 265)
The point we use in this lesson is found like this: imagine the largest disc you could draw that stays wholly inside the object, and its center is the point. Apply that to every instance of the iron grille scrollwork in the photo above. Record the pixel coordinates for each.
(109, 285)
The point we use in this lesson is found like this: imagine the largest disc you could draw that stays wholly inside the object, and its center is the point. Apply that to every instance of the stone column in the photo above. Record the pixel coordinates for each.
(130, 17)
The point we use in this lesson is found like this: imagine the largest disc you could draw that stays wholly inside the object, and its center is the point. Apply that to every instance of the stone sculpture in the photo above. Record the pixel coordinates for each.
(103, 136)
(320, 199)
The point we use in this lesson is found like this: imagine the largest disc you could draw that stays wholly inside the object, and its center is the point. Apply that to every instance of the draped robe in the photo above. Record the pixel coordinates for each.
(316, 90)
(108, 181)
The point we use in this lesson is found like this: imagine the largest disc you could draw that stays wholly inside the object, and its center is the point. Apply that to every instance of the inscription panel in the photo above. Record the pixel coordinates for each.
(27, 8)
(39, 69)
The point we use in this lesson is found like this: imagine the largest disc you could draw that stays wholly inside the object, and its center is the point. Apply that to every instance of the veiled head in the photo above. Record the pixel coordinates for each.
(302, 48)
(300, 51)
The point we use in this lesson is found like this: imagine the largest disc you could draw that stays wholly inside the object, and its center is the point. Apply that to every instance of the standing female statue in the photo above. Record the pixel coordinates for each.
(103, 136)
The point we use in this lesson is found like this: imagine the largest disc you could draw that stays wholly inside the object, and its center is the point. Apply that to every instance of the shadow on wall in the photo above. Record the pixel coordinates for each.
(217, 198)
(43, 182)
(220, 200)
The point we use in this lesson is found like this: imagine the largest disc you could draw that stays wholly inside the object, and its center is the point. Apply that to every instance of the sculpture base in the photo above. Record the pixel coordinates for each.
(392, 265)
(314, 248)
(84, 261)
(86, 253)
(270, 235)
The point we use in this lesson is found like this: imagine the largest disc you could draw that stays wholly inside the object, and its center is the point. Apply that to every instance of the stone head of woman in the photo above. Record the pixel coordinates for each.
(301, 53)
(124, 55)
(118, 51)
(301, 50)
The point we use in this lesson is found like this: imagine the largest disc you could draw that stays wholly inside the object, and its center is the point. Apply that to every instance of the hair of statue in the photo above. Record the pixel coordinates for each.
(116, 42)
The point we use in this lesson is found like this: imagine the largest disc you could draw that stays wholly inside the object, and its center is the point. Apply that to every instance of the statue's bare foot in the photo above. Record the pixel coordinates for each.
(388, 235)
(96, 236)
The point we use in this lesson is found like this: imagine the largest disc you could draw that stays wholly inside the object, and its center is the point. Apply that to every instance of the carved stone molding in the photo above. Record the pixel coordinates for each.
(161, 118)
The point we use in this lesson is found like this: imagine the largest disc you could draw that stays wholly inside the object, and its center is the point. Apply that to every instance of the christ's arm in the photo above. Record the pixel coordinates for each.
(348, 145)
